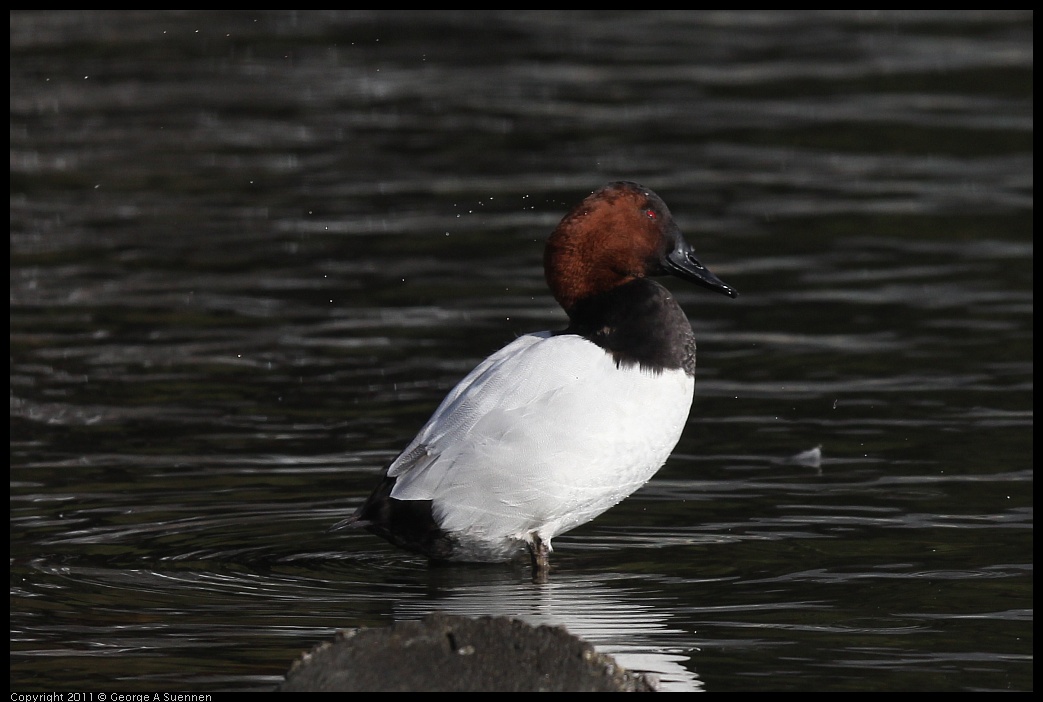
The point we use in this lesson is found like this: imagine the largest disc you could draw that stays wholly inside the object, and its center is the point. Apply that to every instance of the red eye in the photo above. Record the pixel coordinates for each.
(650, 214)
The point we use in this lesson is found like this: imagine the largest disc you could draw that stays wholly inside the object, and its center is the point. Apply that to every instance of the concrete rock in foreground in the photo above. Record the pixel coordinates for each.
(460, 654)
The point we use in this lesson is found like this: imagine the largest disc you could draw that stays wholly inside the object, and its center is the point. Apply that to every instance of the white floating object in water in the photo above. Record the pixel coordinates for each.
(811, 457)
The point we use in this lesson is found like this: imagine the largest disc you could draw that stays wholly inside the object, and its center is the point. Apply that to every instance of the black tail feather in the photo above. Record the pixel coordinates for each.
(408, 524)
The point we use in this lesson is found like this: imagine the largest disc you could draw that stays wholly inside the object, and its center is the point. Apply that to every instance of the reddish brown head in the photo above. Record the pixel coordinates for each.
(618, 233)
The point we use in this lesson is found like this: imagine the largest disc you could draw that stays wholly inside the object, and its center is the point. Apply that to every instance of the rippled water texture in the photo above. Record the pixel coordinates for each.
(251, 251)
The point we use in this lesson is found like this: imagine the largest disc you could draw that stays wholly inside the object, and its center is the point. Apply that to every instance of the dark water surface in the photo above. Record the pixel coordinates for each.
(251, 251)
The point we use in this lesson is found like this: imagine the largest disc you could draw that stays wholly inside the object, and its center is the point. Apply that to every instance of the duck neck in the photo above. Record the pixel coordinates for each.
(639, 323)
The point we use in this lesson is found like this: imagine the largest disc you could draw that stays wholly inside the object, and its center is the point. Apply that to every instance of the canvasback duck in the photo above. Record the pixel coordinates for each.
(558, 426)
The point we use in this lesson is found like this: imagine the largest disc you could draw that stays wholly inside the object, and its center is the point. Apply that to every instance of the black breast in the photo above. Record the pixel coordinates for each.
(638, 323)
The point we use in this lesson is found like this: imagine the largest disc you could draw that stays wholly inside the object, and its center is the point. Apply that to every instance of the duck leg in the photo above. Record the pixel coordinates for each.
(539, 550)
